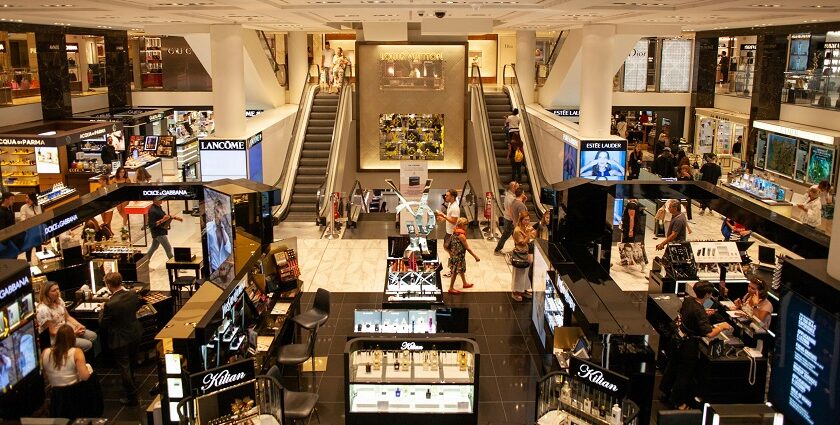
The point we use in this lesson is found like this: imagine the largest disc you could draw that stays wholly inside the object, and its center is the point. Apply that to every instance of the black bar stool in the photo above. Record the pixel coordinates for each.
(297, 354)
(295, 404)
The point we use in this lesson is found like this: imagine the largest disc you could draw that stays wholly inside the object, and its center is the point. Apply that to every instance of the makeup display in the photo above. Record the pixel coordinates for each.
(395, 321)
(412, 281)
(391, 380)
(57, 192)
(688, 262)
(568, 399)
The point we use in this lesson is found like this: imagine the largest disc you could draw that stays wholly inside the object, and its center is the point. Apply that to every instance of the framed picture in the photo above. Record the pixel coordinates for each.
(151, 143)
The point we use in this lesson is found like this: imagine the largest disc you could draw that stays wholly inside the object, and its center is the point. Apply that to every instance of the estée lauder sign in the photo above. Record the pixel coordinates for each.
(222, 377)
(597, 377)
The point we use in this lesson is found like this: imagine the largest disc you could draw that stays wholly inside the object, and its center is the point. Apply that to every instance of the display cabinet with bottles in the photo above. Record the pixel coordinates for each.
(566, 399)
(745, 70)
(393, 380)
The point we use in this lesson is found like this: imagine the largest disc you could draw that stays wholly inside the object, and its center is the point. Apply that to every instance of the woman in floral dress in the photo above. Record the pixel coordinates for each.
(458, 249)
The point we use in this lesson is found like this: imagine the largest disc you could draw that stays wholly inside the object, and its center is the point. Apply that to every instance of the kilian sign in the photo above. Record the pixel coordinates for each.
(599, 378)
(222, 377)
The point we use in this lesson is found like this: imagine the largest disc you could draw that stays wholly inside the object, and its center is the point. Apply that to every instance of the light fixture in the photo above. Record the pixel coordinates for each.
(57, 5)
(48, 133)
(765, 5)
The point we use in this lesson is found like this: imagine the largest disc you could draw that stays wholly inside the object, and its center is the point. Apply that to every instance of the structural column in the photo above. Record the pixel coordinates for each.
(298, 64)
(768, 81)
(117, 70)
(53, 75)
(704, 79)
(227, 59)
(596, 80)
(526, 44)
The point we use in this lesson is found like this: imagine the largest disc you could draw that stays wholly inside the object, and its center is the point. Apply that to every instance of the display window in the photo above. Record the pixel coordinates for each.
(722, 133)
(793, 153)
(813, 70)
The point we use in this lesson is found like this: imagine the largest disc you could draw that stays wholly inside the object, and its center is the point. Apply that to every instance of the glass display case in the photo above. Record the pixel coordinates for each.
(565, 399)
(394, 380)
(413, 281)
(745, 70)
(395, 321)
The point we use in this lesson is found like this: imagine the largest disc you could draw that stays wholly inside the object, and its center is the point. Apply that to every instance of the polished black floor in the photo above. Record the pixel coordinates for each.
(510, 360)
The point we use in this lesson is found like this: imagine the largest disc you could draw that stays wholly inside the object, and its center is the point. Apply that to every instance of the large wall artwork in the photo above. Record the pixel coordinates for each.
(411, 136)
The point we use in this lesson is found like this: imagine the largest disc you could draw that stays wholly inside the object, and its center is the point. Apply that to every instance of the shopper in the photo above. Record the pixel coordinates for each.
(710, 173)
(724, 67)
(507, 231)
(677, 228)
(812, 208)
(453, 213)
(685, 175)
(633, 230)
(523, 235)
(327, 56)
(118, 318)
(731, 227)
(663, 165)
(98, 232)
(755, 302)
(736, 148)
(458, 249)
(340, 62)
(142, 175)
(692, 324)
(51, 314)
(7, 212)
(109, 153)
(517, 204)
(65, 368)
(512, 122)
(826, 200)
(516, 155)
(621, 127)
(664, 140)
(120, 177)
(159, 223)
(634, 163)
(28, 210)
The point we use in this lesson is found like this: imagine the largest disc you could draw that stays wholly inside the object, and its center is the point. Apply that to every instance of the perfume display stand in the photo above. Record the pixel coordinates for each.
(567, 399)
(412, 280)
(392, 380)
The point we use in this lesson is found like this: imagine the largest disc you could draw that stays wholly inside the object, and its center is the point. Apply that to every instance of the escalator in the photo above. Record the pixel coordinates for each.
(499, 106)
(314, 158)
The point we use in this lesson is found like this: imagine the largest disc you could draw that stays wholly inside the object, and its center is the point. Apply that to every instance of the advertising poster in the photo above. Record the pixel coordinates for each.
(705, 135)
(218, 232)
(801, 159)
(781, 153)
(820, 164)
(636, 67)
(570, 156)
(411, 136)
(183, 70)
(603, 160)
(46, 160)
(117, 139)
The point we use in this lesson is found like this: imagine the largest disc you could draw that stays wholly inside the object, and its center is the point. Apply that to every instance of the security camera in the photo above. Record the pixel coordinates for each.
(421, 13)
(440, 14)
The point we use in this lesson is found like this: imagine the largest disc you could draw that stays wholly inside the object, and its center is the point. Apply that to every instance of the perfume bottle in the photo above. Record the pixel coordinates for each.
(398, 392)
(587, 404)
(566, 394)
(359, 327)
(431, 330)
(615, 415)
(405, 357)
(429, 394)
(377, 358)
(462, 360)
(367, 367)
(376, 327)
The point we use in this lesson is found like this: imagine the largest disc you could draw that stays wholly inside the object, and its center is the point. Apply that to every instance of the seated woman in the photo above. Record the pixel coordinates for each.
(755, 302)
(51, 315)
(100, 233)
(732, 228)
(64, 368)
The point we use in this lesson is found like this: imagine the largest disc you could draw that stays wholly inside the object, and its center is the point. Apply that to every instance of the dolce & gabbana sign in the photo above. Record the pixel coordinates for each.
(222, 377)
(222, 145)
(601, 379)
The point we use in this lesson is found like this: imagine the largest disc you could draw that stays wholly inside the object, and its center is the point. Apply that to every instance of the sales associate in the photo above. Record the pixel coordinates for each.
(755, 302)
(692, 324)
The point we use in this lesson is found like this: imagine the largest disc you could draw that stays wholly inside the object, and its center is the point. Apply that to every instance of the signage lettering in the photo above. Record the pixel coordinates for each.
(748, 46)
(22, 142)
(156, 117)
(418, 56)
(72, 47)
(14, 287)
(179, 51)
(166, 192)
(567, 295)
(221, 379)
(800, 36)
(566, 112)
(54, 47)
(61, 224)
(249, 113)
(569, 139)
(231, 300)
(223, 145)
(255, 139)
(89, 134)
(832, 45)
(595, 376)
(406, 345)
(592, 146)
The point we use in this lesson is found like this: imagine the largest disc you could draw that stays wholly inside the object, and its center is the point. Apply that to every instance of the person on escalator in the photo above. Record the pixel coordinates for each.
(512, 124)
(516, 155)
(507, 231)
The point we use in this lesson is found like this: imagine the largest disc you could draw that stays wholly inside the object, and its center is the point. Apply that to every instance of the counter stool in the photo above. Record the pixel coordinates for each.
(296, 404)
(297, 354)
(178, 285)
(315, 316)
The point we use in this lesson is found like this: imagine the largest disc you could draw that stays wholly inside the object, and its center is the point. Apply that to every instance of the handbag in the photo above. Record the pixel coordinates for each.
(519, 259)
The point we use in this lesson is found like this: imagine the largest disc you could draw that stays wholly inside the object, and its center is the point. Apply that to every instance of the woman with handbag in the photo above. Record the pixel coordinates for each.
(65, 369)
(458, 249)
(520, 259)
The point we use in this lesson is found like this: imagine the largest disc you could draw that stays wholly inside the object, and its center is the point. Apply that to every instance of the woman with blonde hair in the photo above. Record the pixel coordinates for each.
(523, 234)
(143, 175)
(458, 249)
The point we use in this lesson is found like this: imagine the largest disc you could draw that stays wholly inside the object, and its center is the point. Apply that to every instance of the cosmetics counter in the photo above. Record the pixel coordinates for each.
(410, 380)
(57, 195)
(412, 281)
(769, 194)
(687, 262)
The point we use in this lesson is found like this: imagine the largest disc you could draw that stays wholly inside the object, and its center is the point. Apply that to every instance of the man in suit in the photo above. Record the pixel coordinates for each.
(118, 318)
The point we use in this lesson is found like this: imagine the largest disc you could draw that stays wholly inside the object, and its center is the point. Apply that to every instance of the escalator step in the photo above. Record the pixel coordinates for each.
(305, 188)
(311, 145)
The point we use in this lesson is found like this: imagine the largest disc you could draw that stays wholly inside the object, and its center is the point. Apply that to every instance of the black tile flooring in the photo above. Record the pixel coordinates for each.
(511, 360)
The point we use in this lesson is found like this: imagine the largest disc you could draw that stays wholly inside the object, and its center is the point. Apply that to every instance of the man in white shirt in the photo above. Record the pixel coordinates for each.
(327, 62)
(512, 122)
(508, 230)
(453, 212)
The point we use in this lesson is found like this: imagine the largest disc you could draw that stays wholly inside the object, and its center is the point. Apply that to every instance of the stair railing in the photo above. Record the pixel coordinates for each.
(485, 136)
(469, 202)
(555, 51)
(342, 116)
(271, 51)
(535, 175)
(287, 177)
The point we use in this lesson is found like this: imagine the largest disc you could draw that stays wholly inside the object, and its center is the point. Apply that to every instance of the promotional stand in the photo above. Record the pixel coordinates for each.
(413, 282)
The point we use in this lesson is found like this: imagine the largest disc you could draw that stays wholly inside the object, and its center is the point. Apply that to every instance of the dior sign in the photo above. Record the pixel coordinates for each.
(603, 380)
(222, 377)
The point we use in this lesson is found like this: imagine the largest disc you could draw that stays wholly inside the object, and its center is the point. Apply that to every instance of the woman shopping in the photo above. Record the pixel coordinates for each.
(458, 249)
(340, 62)
(51, 314)
(755, 302)
(66, 370)
(812, 208)
(521, 259)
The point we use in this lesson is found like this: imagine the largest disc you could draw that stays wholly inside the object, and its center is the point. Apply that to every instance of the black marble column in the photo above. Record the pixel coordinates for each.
(54, 75)
(703, 79)
(118, 70)
(768, 81)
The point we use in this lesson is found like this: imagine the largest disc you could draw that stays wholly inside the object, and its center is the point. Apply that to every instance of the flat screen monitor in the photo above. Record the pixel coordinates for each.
(766, 255)
(218, 235)
(453, 320)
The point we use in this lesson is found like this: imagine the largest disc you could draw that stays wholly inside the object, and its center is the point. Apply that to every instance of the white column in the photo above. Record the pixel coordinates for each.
(227, 59)
(298, 64)
(526, 45)
(596, 80)
(834, 251)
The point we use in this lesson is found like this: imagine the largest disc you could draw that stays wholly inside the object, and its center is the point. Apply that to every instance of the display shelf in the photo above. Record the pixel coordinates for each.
(404, 380)
(561, 396)
(395, 321)
(413, 281)
(17, 167)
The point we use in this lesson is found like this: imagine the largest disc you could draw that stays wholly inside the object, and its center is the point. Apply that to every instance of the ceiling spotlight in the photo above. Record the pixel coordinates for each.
(765, 5)
(56, 5)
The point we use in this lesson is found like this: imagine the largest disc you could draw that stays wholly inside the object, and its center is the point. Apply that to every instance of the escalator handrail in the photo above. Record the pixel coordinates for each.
(489, 151)
(296, 141)
(335, 145)
(555, 50)
(535, 174)
(468, 184)
(357, 188)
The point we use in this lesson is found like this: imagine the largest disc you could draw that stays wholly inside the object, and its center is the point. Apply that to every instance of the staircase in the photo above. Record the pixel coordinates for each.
(312, 168)
(498, 108)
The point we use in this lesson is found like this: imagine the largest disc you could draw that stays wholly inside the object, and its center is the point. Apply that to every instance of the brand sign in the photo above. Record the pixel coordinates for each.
(72, 47)
(183, 70)
(566, 112)
(411, 56)
(800, 36)
(238, 290)
(250, 113)
(255, 139)
(831, 46)
(13, 287)
(748, 46)
(223, 145)
(411, 346)
(21, 142)
(92, 133)
(60, 225)
(596, 377)
(179, 51)
(167, 192)
(570, 140)
(222, 377)
(568, 298)
(2, 46)
(603, 145)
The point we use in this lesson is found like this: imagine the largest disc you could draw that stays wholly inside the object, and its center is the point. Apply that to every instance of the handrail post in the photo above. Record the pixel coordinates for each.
(494, 221)
(332, 233)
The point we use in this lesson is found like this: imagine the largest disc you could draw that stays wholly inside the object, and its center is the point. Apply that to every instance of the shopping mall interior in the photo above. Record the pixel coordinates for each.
(416, 212)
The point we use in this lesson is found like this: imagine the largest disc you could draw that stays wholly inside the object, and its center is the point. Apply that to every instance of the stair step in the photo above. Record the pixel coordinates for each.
(312, 145)
(321, 123)
(317, 138)
(324, 109)
(305, 188)
(312, 154)
(314, 162)
(310, 179)
(307, 199)
(298, 217)
(322, 116)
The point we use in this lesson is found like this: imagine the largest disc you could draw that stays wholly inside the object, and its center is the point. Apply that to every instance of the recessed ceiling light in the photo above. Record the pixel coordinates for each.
(56, 5)
(765, 5)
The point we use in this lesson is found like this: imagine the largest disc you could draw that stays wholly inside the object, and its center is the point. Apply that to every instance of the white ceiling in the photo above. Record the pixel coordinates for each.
(327, 15)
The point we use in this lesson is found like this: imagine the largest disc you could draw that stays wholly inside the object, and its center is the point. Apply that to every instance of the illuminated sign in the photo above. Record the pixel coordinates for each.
(223, 377)
(601, 379)
(748, 46)
(21, 142)
(231, 300)
(167, 192)
(223, 145)
(255, 139)
(92, 133)
(566, 112)
(418, 56)
(14, 287)
(411, 346)
(60, 225)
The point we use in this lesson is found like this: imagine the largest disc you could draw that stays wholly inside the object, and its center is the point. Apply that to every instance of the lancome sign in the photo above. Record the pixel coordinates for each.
(222, 377)
(601, 379)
